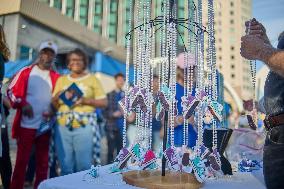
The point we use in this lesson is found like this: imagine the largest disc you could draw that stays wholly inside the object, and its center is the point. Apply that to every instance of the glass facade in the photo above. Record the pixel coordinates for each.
(112, 16)
(98, 16)
(83, 12)
(112, 20)
(126, 15)
(70, 8)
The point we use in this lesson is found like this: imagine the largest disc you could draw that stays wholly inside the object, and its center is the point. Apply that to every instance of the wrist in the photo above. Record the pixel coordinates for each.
(266, 53)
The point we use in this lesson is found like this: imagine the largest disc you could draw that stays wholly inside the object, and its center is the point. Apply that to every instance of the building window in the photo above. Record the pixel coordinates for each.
(84, 6)
(232, 57)
(220, 48)
(220, 58)
(220, 40)
(232, 4)
(232, 13)
(112, 20)
(232, 48)
(26, 53)
(232, 76)
(232, 21)
(233, 66)
(98, 16)
(70, 8)
(57, 4)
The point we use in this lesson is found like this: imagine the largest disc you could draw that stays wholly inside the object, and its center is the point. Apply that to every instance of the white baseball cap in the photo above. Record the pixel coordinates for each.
(48, 45)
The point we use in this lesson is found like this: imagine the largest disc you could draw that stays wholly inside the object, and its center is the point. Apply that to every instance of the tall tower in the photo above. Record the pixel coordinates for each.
(230, 17)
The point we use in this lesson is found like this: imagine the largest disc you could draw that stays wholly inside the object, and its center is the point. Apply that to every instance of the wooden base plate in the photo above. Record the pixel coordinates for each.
(154, 180)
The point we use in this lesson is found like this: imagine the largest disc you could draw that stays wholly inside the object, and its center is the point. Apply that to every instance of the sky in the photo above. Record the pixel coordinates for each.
(271, 14)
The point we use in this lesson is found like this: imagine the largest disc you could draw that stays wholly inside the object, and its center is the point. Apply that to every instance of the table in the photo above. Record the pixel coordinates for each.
(75, 181)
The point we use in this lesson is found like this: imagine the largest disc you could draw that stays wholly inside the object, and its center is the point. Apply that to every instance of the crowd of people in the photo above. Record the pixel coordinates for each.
(37, 93)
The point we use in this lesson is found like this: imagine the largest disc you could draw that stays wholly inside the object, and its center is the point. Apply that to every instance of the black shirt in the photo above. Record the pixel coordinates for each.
(274, 90)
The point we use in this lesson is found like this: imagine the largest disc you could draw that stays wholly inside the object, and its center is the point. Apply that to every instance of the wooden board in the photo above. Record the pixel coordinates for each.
(154, 180)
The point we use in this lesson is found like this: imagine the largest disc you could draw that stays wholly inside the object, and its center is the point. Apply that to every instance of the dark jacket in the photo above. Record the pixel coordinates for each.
(111, 121)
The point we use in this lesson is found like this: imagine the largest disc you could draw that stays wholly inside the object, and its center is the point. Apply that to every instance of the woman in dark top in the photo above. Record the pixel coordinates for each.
(5, 160)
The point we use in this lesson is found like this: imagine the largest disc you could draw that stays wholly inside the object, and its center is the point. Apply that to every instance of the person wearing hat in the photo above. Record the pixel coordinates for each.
(256, 46)
(30, 93)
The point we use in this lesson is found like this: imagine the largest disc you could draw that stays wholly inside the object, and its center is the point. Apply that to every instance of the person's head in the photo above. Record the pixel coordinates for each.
(281, 41)
(155, 83)
(119, 80)
(4, 50)
(77, 61)
(47, 53)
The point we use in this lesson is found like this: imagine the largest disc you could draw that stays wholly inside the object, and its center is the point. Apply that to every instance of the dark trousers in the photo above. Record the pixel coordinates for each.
(114, 141)
(5, 160)
(273, 158)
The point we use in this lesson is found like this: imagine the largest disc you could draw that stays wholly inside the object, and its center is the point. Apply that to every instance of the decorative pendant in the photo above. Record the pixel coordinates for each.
(171, 157)
(149, 159)
(199, 169)
(137, 153)
(216, 109)
(122, 158)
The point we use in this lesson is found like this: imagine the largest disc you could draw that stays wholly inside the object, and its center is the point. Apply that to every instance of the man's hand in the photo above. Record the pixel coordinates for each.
(255, 28)
(117, 114)
(27, 110)
(47, 115)
(254, 48)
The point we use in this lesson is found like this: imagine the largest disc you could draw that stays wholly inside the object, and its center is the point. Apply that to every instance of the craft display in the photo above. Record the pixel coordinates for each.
(150, 38)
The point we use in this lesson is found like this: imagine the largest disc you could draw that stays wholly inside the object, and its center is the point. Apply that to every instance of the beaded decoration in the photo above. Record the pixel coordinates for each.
(141, 44)
(172, 158)
(250, 105)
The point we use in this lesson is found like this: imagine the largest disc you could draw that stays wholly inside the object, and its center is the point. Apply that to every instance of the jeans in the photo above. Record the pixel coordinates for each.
(74, 148)
(273, 158)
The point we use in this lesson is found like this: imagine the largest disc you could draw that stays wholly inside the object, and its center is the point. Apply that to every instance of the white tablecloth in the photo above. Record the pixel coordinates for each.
(106, 180)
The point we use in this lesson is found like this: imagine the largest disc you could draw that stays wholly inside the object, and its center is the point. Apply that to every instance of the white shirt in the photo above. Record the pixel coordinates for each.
(39, 94)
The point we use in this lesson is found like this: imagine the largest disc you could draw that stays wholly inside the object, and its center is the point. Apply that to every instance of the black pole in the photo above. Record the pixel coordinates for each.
(165, 143)
(166, 113)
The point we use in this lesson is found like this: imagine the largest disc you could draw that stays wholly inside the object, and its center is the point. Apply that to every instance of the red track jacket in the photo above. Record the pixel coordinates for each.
(17, 91)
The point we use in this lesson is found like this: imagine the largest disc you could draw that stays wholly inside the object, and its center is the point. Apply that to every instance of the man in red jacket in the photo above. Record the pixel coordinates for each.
(30, 94)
